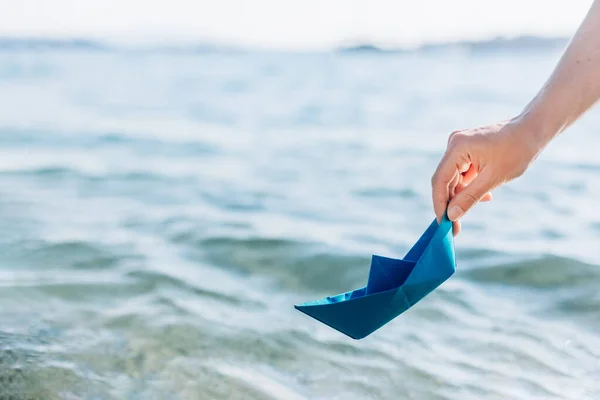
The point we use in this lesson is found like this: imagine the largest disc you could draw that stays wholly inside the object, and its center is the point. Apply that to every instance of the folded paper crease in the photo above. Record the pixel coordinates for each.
(393, 286)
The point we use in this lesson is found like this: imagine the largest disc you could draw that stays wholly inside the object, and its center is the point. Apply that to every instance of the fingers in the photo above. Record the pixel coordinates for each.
(469, 196)
(440, 186)
(456, 226)
(446, 179)
(453, 186)
(459, 188)
(469, 175)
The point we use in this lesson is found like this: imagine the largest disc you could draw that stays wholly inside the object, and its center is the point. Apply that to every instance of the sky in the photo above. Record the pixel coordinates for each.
(291, 24)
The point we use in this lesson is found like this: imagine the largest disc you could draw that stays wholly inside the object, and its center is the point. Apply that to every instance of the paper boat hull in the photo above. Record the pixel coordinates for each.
(360, 312)
(355, 317)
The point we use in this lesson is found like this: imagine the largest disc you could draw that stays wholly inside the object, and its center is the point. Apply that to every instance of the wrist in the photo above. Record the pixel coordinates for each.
(531, 133)
(536, 126)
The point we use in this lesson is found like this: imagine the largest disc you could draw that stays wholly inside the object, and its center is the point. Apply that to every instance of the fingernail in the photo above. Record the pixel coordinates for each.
(455, 212)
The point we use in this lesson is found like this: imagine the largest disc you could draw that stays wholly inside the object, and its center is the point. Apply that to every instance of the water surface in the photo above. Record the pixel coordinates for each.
(163, 212)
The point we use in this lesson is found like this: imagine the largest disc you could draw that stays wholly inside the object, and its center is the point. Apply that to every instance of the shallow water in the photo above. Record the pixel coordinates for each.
(162, 213)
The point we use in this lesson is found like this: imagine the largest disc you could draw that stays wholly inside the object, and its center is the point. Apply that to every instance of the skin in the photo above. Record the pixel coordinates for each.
(479, 160)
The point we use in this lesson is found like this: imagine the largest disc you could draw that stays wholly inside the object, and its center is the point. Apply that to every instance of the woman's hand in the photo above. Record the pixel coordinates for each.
(479, 160)
(476, 162)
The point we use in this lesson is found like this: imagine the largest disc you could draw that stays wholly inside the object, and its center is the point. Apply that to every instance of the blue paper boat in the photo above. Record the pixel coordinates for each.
(393, 286)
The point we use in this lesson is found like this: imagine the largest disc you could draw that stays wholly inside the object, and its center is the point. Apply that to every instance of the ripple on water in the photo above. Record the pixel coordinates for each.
(138, 144)
(294, 264)
(28, 372)
(546, 272)
(72, 254)
(379, 192)
(157, 280)
(49, 172)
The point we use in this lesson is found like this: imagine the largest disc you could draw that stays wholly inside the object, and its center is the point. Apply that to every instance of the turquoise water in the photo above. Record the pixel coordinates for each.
(163, 212)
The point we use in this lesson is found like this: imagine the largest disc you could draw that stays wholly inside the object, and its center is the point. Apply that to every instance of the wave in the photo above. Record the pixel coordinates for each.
(545, 272)
(70, 254)
(60, 173)
(292, 264)
(154, 279)
(378, 192)
(145, 145)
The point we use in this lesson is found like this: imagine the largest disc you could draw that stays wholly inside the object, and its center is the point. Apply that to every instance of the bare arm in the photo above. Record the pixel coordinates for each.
(573, 87)
(481, 159)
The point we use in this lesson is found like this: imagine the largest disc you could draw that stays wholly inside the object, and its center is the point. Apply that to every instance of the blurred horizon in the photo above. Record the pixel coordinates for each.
(308, 25)
(515, 42)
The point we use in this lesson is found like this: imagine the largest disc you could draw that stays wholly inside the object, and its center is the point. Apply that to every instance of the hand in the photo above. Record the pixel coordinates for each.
(478, 161)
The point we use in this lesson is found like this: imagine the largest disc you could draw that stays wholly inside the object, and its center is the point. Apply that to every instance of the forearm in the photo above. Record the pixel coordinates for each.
(573, 87)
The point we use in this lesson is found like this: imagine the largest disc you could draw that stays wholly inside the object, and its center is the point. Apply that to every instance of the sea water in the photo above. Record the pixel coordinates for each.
(161, 212)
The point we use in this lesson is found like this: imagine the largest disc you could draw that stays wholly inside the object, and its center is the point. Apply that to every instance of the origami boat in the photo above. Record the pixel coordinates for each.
(393, 285)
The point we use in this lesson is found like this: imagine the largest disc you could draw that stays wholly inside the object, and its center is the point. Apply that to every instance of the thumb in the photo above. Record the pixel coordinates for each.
(469, 196)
